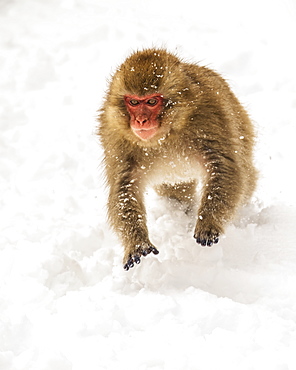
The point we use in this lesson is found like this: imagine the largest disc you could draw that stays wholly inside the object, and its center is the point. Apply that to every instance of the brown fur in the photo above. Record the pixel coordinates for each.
(205, 135)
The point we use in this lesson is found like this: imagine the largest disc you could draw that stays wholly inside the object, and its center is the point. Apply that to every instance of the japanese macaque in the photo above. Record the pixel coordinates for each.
(172, 125)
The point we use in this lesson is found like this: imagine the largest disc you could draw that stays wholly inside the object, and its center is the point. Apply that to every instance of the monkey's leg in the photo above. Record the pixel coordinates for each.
(126, 214)
(220, 199)
(184, 192)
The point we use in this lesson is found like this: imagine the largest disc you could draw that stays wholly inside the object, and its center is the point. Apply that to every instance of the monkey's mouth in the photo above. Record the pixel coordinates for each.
(145, 133)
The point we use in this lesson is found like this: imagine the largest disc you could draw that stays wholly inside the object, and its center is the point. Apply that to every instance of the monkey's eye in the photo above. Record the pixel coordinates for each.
(152, 101)
(134, 102)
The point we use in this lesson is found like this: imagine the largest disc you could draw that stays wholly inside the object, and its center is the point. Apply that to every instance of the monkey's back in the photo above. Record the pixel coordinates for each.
(220, 117)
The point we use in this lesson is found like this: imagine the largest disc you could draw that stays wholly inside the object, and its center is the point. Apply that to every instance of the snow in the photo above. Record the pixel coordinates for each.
(65, 301)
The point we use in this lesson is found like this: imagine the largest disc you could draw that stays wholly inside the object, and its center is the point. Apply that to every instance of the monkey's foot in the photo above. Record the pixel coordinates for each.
(206, 238)
(135, 257)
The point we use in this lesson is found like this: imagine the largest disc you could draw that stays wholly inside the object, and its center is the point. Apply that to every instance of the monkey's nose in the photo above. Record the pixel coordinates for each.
(141, 120)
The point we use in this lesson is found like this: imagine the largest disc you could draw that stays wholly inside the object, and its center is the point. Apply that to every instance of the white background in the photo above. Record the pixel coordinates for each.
(65, 300)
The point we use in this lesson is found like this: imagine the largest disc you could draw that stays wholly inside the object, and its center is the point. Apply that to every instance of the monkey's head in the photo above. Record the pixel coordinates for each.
(147, 95)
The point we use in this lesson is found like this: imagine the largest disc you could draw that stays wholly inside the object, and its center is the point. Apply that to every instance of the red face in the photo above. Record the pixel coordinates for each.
(144, 112)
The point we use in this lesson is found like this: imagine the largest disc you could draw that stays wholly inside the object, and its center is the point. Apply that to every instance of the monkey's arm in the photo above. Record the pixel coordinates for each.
(127, 215)
(220, 198)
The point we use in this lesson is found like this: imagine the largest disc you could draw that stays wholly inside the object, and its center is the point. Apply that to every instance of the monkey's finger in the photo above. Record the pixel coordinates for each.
(148, 250)
(154, 250)
(129, 264)
(209, 241)
(203, 242)
(137, 259)
(212, 240)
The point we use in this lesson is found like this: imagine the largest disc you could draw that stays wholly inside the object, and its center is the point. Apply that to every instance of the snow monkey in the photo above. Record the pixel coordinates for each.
(173, 125)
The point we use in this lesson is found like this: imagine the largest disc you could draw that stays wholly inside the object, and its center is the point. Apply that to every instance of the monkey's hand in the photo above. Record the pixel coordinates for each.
(206, 235)
(135, 255)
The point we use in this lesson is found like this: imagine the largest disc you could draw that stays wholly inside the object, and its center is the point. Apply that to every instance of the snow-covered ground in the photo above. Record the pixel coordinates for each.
(65, 301)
